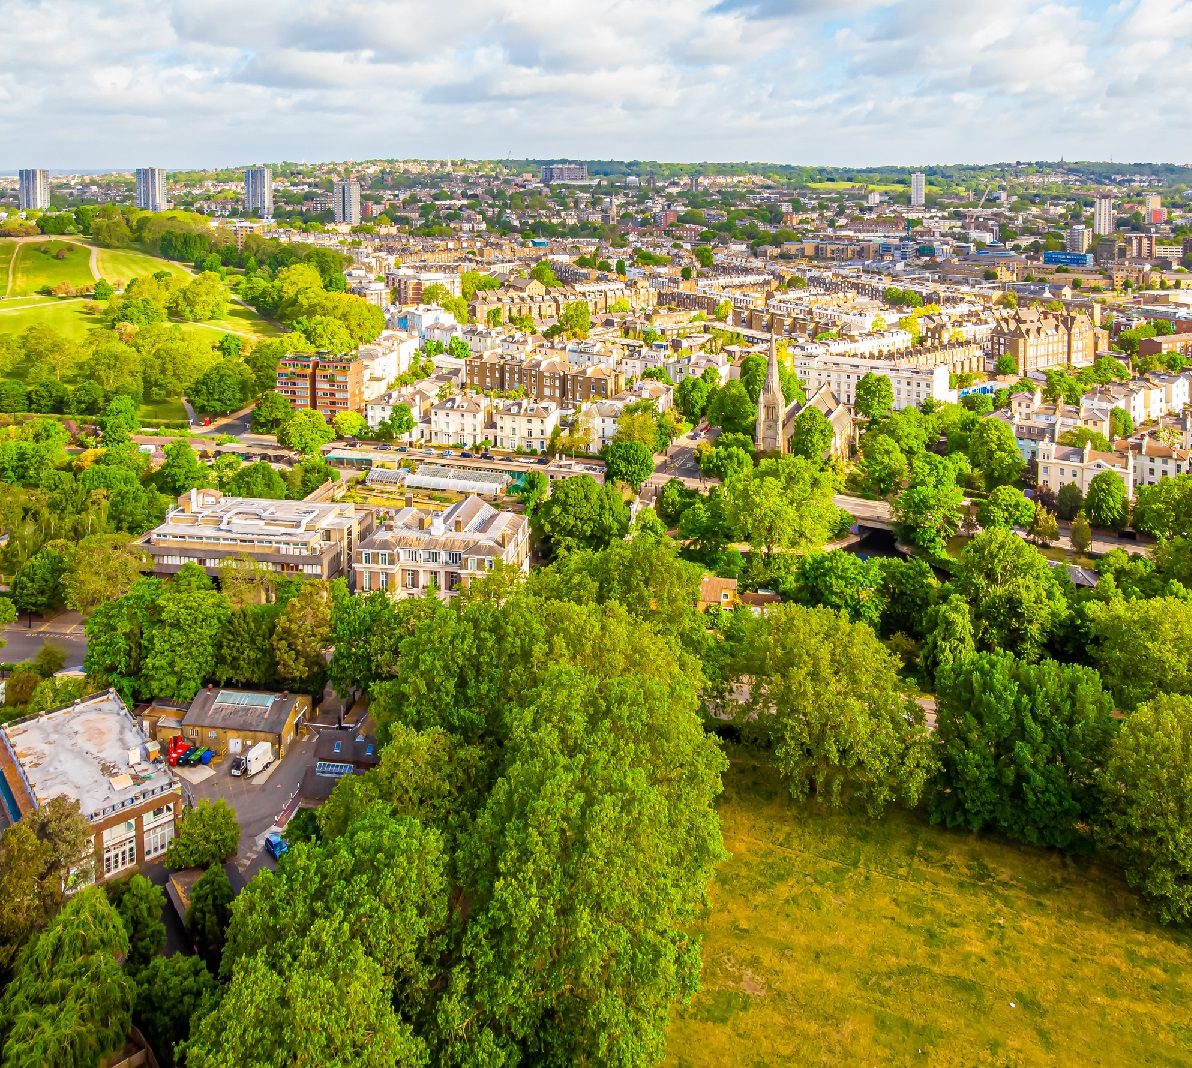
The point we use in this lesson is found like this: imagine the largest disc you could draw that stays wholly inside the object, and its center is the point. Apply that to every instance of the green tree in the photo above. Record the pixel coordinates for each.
(207, 835)
(724, 463)
(245, 654)
(1082, 535)
(580, 514)
(225, 387)
(139, 904)
(1165, 507)
(349, 425)
(400, 421)
(1121, 424)
(754, 368)
(927, 512)
(25, 901)
(629, 462)
(1044, 528)
(874, 397)
(69, 1003)
(1107, 504)
(1147, 819)
(1007, 364)
(267, 1010)
(302, 634)
(691, 397)
(271, 413)
(1078, 436)
(119, 421)
(204, 298)
(208, 915)
(994, 451)
(703, 256)
(830, 700)
(949, 637)
(576, 319)
(306, 432)
(170, 990)
(257, 480)
(783, 503)
(38, 585)
(885, 465)
(544, 273)
(812, 435)
(731, 409)
(181, 470)
(1069, 501)
(1020, 746)
(1006, 507)
(1143, 647)
(1015, 597)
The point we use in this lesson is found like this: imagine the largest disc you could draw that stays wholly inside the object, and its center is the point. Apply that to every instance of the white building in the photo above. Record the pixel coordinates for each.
(1061, 464)
(1152, 461)
(346, 202)
(151, 189)
(526, 424)
(258, 191)
(918, 189)
(1103, 217)
(420, 318)
(912, 385)
(1078, 239)
(460, 421)
(34, 194)
(601, 418)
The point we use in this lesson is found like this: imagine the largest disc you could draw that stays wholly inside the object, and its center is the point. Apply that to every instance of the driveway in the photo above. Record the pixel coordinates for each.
(257, 801)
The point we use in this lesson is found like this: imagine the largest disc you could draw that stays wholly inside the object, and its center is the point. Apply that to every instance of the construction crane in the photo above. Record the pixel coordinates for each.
(983, 198)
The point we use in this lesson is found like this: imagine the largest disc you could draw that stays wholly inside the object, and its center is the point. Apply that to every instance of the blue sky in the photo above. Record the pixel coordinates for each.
(120, 83)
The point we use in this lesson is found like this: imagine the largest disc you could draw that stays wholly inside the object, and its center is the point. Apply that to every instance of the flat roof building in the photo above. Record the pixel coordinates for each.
(34, 189)
(233, 721)
(346, 201)
(294, 538)
(93, 751)
(258, 191)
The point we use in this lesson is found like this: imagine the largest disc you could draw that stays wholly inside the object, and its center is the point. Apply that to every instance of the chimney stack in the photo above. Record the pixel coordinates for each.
(409, 500)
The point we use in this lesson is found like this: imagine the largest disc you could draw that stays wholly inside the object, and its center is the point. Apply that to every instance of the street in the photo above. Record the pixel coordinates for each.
(64, 630)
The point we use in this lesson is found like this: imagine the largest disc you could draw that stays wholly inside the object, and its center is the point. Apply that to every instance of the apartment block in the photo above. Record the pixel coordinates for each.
(460, 421)
(912, 383)
(549, 378)
(94, 752)
(34, 189)
(918, 189)
(328, 382)
(417, 549)
(258, 191)
(1104, 221)
(151, 189)
(297, 539)
(346, 202)
(1038, 340)
(564, 172)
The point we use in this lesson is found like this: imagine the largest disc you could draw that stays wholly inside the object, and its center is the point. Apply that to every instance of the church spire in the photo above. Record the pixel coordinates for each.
(771, 407)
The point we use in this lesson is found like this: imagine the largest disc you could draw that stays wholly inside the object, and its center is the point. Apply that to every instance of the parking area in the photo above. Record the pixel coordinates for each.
(258, 801)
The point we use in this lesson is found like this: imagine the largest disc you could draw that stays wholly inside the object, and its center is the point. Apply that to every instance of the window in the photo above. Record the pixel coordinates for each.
(158, 840)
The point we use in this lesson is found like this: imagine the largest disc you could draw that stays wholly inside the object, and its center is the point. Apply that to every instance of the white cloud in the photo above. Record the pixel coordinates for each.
(120, 82)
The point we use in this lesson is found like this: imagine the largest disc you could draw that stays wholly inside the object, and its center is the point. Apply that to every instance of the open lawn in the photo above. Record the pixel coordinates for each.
(65, 315)
(121, 265)
(7, 249)
(837, 940)
(167, 411)
(37, 263)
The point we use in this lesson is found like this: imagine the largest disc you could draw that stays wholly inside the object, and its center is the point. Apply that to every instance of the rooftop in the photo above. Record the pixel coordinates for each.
(82, 751)
(243, 710)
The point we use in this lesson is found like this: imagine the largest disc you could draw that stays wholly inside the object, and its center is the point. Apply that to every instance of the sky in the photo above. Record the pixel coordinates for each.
(96, 84)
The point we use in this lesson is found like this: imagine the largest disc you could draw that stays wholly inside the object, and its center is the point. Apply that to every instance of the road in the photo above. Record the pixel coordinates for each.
(64, 630)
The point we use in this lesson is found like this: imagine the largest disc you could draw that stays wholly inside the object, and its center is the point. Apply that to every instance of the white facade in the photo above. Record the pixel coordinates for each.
(151, 189)
(1061, 464)
(918, 189)
(911, 385)
(1103, 218)
(602, 418)
(419, 319)
(346, 202)
(460, 421)
(258, 191)
(526, 424)
(34, 189)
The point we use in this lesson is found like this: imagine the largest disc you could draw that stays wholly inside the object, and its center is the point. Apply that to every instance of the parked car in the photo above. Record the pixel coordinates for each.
(448, 452)
(237, 766)
(486, 455)
(543, 460)
(276, 845)
(466, 455)
(384, 447)
(403, 448)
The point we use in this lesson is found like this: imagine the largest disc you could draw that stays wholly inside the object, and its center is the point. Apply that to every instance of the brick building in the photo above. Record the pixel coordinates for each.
(328, 382)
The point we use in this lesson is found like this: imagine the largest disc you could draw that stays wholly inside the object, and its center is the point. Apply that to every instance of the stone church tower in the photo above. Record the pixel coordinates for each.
(771, 409)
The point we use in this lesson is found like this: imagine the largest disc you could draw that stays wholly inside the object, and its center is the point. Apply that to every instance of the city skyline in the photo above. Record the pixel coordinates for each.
(867, 82)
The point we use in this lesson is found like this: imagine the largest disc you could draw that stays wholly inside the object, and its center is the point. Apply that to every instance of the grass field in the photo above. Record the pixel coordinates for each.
(836, 940)
(65, 315)
(35, 264)
(122, 265)
(7, 249)
(167, 411)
